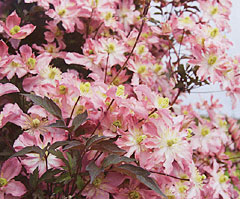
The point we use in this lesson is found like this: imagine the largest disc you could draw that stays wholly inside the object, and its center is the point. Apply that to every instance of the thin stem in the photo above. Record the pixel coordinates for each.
(97, 29)
(176, 97)
(88, 23)
(164, 174)
(105, 76)
(139, 34)
(73, 111)
(232, 158)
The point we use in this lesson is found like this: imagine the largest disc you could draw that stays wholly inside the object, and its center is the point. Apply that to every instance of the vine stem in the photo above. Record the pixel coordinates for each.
(72, 111)
(164, 174)
(105, 76)
(176, 97)
(145, 11)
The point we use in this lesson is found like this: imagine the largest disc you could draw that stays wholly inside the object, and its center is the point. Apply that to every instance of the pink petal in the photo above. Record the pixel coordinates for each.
(7, 88)
(11, 168)
(15, 188)
(26, 51)
(74, 58)
(13, 20)
(3, 49)
(29, 28)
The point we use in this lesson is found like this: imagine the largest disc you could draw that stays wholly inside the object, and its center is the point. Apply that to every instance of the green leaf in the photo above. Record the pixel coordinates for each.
(115, 159)
(58, 144)
(108, 146)
(72, 162)
(94, 139)
(47, 104)
(78, 120)
(57, 190)
(93, 170)
(59, 124)
(33, 179)
(80, 183)
(142, 175)
(49, 174)
(64, 178)
(29, 149)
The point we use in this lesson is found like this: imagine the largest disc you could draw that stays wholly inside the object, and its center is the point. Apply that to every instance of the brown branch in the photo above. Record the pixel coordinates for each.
(105, 76)
(184, 179)
(139, 34)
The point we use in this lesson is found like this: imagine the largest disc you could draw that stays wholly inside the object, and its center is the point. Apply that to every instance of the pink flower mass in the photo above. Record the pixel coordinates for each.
(92, 100)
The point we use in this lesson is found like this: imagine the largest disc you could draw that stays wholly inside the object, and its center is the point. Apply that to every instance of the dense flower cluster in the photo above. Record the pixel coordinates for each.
(124, 67)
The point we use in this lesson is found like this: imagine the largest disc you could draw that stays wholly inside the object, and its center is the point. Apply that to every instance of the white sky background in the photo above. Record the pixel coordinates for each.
(234, 37)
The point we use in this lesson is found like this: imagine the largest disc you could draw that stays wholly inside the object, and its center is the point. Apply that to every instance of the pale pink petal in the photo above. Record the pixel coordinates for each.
(11, 168)
(7, 88)
(3, 49)
(13, 20)
(15, 188)
(74, 58)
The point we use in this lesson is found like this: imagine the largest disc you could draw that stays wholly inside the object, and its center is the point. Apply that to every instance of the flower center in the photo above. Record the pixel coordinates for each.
(134, 195)
(186, 20)
(157, 68)
(3, 182)
(52, 74)
(62, 12)
(117, 123)
(214, 32)
(85, 87)
(35, 123)
(97, 182)
(141, 49)
(212, 60)
(182, 188)
(120, 90)
(142, 69)
(141, 138)
(223, 178)
(90, 52)
(31, 62)
(214, 11)
(111, 48)
(163, 102)
(171, 142)
(205, 131)
(58, 32)
(14, 64)
(15, 30)
(108, 16)
(62, 89)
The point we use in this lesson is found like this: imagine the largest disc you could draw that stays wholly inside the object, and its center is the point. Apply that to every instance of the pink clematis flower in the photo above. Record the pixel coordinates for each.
(33, 160)
(13, 29)
(10, 169)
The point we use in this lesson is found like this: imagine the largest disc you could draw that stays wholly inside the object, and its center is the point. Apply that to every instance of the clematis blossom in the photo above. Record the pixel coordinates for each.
(13, 29)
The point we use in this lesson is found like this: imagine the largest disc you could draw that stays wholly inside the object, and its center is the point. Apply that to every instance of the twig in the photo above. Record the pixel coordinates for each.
(184, 179)
(176, 97)
(139, 34)
(106, 67)
(72, 111)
